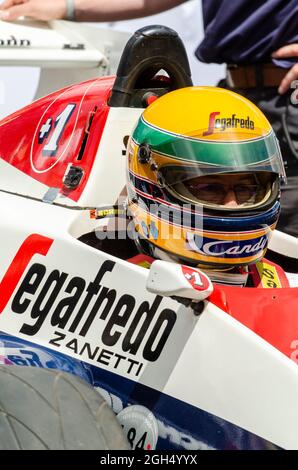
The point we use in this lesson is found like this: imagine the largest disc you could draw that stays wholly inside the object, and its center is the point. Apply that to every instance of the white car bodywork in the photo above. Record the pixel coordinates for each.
(66, 52)
(211, 361)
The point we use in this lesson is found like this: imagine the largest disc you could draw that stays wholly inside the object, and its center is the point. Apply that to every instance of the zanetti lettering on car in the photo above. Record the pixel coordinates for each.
(53, 296)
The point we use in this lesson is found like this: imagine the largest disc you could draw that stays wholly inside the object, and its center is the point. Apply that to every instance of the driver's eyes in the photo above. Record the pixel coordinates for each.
(210, 188)
(216, 191)
(250, 189)
(244, 188)
(212, 192)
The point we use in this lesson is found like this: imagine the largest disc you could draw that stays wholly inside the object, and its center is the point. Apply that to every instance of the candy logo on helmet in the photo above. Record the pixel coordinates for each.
(228, 248)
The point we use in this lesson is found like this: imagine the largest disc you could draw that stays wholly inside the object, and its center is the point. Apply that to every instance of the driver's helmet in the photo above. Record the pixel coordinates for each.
(204, 170)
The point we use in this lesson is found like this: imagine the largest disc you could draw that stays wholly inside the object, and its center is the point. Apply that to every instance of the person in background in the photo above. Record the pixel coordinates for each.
(257, 39)
(85, 10)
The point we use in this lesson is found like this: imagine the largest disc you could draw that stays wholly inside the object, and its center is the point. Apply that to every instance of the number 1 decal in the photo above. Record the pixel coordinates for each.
(50, 149)
(195, 277)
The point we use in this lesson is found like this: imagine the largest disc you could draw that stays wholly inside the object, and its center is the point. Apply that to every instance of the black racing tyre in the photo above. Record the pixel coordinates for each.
(47, 409)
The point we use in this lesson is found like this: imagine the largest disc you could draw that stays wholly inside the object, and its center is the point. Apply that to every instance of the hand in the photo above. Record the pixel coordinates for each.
(284, 52)
(45, 10)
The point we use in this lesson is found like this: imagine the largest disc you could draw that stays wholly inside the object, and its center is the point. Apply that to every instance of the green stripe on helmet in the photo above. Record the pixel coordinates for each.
(230, 154)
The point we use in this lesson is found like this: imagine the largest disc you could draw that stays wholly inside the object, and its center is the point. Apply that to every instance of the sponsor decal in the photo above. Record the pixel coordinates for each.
(71, 308)
(54, 128)
(166, 431)
(3, 359)
(28, 357)
(12, 41)
(226, 248)
(54, 133)
(140, 427)
(223, 123)
(196, 279)
(268, 275)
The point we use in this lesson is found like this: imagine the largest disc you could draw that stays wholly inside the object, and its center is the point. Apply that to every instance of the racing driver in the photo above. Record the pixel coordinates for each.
(203, 185)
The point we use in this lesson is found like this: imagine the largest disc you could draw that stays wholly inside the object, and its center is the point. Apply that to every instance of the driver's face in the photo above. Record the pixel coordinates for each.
(227, 190)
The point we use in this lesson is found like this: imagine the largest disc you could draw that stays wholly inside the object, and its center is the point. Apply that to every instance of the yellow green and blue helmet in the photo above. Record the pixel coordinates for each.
(189, 149)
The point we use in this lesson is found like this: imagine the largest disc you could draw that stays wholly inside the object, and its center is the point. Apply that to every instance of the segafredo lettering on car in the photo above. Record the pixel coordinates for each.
(245, 248)
(87, 317)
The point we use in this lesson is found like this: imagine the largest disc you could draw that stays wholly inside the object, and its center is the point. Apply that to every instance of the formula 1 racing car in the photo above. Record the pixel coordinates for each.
(183, 363)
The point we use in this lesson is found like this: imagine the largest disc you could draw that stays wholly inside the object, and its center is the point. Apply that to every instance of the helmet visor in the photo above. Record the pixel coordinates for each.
(235, 190)
(248, 168)
(204, 158)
